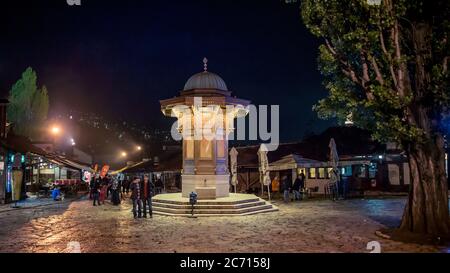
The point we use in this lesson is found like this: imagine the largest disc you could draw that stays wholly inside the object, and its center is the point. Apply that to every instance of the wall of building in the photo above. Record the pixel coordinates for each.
(321, 183)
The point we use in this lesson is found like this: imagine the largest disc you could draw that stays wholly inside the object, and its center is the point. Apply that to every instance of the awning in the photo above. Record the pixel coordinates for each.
(127, 167)
(294, 161)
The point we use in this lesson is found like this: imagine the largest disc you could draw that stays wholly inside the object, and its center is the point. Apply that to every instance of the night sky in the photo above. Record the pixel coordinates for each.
(118, 58)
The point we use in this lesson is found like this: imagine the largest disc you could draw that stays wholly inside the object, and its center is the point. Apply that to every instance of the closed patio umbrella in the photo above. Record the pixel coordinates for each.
(334, 162)
(264, 168)
(233, 166)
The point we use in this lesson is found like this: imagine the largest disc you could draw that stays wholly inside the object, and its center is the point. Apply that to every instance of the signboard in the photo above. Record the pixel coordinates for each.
(87, 176)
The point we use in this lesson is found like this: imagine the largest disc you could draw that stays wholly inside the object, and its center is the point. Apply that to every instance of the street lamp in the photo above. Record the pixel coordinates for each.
(55, 130)
(139, 148)
(123, 154)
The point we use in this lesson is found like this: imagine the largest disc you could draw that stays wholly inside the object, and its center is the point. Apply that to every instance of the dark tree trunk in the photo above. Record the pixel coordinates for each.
(426, 211)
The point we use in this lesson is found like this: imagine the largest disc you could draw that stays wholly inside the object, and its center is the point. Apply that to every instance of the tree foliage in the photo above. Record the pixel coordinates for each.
(29, 105)
(380, 61)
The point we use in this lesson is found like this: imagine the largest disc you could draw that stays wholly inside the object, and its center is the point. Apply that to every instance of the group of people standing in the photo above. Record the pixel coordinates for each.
(100, 189)
(142, 191)
(116, 188)
(296, 188)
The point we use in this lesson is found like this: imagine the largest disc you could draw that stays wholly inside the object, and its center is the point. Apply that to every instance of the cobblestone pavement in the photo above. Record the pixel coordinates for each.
(309, 226)
(31, 202)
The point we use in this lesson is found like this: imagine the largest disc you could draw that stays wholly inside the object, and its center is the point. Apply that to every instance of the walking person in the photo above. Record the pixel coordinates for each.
(298, 186)
(108, 182)
(126, 185)
(275, 186)
(159, 185)
(296, 189)
(136, 197)
(91, 186)
(115, 191)
(121, 178)
(95, 189)
(302, 183)
(103, 190)
(148, 190)
(286, 188)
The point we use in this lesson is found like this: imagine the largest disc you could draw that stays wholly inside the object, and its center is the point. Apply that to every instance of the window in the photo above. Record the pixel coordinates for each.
(312, 173)
(300, 170)
(347, 171)
(329, 170)
(321, 173)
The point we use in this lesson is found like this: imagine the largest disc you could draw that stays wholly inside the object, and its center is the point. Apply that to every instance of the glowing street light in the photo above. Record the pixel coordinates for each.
(123, 154)
(139, 148)
(55, 130)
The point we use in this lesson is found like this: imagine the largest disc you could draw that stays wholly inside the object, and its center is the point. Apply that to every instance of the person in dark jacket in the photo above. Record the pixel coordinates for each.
(286, 185)
(299, 184)
(95, 189)
(302, 179)
(296, 189)
(148, 189)
(159, 185)
(136, 197)
(126, 185)
(115, 191)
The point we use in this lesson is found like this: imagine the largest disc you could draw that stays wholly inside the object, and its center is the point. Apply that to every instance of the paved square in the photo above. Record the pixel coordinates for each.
(309, 226)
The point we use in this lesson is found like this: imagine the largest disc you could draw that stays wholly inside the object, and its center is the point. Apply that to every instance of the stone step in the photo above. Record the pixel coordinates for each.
(203, 206)
(273, 209)
(239, 211)
(236, 204)
(206, 202)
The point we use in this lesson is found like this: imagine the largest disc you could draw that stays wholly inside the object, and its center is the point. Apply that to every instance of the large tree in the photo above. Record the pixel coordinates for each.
(385, 63)
(29, 105)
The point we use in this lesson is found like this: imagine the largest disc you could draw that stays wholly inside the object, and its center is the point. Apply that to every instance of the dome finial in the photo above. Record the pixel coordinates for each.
(205, 64)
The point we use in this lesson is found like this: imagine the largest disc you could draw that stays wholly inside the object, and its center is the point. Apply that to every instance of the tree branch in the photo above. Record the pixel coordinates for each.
(445, 64)
(330, 47)
(379, 77)
(365, 69)
(400, 65)
(389, 58)
(350, 72)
